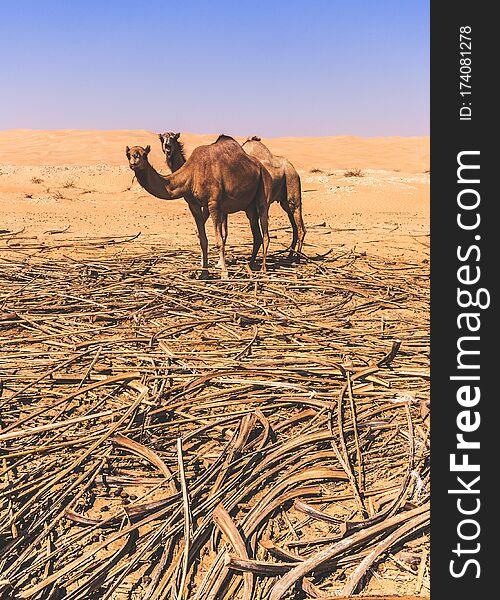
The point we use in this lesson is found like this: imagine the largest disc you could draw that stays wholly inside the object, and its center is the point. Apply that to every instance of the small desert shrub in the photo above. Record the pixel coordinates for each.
(315, 170)
(57, 195)
(353, 173)
(28, 195)
(36, 180)
(68, 184)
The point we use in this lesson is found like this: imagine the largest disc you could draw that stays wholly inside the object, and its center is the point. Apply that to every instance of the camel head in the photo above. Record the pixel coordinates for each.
(169, 142)
(137, 157)
(253, 138)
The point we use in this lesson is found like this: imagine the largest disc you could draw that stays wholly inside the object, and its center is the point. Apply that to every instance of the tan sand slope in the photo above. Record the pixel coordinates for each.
(73, 147)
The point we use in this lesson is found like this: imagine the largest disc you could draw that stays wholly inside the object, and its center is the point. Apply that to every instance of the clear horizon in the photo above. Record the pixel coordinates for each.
(215, 133)
(278, 69)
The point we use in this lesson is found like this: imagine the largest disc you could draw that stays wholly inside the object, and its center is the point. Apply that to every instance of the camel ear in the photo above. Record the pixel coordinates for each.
(127, 151)
(147, 149)
(176, 136)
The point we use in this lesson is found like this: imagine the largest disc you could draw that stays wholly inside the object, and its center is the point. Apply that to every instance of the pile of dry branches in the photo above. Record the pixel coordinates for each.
(164, 437)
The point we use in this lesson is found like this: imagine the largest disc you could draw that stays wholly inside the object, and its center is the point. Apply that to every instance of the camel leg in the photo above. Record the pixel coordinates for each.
(297, 212)
(294, 212)
(263, 209)
(262, 200)
(218, 220)
(200, 218)
(253, 217)
(264, 225)
(295, 230)
(224, 230)
(291, 202)
(224, 236)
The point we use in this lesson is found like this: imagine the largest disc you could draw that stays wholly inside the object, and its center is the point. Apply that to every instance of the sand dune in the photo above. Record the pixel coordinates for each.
(73, 147)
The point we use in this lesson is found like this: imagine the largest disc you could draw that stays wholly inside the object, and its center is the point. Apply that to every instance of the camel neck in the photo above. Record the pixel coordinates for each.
(166, 187)
(176, 160)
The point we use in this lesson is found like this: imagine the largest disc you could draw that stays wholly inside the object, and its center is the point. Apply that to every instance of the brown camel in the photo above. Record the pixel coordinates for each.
(285, 181)
(217, 179)
(286, 188)
(175, 157)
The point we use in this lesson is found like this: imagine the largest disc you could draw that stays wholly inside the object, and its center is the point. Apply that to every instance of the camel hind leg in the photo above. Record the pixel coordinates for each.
(262, 201)
(218, 220)
(291, 203)
(264, 225)
(200, 217)
(295, 230)
(224, 229)
(299, 222)
(224, 237)
(253, 216)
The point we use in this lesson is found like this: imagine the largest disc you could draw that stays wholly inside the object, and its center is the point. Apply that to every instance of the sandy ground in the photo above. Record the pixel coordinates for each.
(79, 181)
(70, 186)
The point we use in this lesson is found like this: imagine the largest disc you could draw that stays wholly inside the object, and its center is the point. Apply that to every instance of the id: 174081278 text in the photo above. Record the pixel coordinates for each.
(465, 61)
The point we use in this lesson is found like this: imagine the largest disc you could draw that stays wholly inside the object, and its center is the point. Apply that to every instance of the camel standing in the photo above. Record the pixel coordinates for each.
(216, 180)
(175, 157)
(286, 188)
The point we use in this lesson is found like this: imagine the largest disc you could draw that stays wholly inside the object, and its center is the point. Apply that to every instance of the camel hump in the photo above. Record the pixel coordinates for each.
(224, 138)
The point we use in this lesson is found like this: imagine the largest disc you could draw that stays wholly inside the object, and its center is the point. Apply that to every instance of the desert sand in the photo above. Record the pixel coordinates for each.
(79, 181)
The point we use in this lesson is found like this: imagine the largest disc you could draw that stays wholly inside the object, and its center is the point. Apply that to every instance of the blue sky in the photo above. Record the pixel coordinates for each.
(274, 68)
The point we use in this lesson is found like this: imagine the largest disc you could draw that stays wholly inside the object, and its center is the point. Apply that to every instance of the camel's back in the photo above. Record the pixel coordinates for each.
(285, 179)
(276, 165)
(225, 163)
(255, 147)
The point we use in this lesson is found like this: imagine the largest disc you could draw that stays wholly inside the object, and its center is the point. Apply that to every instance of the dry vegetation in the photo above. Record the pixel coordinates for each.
(264, 437)
(353, 173)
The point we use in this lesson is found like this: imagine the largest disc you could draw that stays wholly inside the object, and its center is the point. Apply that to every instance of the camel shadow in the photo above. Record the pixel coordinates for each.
(276, 262)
